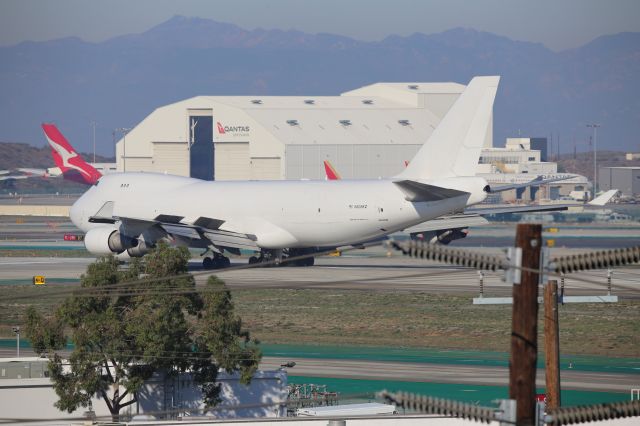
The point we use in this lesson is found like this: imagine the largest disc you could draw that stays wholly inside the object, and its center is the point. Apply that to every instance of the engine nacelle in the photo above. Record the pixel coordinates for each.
(140, 250)
(107, 240)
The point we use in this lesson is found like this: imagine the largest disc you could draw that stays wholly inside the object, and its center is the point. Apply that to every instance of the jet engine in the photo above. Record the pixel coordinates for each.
(107, 240)
(140, 249)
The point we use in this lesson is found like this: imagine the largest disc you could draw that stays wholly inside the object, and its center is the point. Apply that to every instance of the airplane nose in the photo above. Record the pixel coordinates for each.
(75, 213)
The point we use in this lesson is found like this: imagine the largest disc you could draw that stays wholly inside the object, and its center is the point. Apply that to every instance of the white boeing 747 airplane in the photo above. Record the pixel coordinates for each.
(130, 212)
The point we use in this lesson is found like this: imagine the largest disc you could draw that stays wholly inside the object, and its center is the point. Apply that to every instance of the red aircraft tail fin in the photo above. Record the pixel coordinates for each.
(71, 164)
(330, 171)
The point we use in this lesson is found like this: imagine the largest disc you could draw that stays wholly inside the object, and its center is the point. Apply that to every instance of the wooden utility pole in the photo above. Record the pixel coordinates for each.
(524, 325)
(552, 345)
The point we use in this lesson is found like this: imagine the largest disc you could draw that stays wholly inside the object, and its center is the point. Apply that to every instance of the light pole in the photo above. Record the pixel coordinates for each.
(124, 131)
(595, 126)
(16, 330)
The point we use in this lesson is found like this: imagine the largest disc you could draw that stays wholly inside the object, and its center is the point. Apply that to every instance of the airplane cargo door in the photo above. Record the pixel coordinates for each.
(232, 161)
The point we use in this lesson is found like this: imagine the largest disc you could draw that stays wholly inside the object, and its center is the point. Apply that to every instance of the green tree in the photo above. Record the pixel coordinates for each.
(124, 333)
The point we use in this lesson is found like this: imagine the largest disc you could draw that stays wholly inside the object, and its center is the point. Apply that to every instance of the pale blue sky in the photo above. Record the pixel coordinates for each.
(558, 24)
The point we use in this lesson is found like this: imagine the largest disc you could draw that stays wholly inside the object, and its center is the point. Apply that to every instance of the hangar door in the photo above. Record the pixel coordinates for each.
(201, 154)
(171, 158)
(265, 168)
(232, 161)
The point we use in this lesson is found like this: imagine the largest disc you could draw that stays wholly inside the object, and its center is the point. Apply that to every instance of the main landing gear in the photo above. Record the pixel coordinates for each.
(287, 257)
(218, 261)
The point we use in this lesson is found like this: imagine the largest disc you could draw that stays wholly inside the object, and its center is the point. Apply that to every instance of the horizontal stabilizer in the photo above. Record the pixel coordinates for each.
(418, 192)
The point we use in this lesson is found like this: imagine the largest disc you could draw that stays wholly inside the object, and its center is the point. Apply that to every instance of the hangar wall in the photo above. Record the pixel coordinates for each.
(351, 161)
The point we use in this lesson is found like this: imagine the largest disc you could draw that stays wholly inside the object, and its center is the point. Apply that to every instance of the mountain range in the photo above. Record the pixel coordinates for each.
(119, 81)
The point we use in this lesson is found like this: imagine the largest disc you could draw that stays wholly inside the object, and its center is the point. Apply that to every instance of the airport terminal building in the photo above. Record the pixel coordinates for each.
(365, 133)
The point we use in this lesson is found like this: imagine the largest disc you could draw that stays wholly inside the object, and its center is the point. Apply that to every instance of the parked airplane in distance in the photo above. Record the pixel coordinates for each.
(330, 172)
(69, 164)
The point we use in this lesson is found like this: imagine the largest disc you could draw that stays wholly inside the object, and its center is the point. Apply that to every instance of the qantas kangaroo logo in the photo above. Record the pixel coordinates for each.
(66, 156)
(67, 159)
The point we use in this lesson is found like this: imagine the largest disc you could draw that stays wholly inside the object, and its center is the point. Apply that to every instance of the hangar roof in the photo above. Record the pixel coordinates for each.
(379, 113)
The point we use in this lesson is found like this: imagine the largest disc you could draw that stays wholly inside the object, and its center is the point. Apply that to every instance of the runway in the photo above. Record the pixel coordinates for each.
(371, 270)
(442, 373)
(428, 373)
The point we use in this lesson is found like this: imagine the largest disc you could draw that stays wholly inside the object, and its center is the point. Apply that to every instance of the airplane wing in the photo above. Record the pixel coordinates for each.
(31, 171)
(475, 217)
(14, 177)
(448, 222)
(517, 209)
(26, 173)
(203, 230)
(539, 180)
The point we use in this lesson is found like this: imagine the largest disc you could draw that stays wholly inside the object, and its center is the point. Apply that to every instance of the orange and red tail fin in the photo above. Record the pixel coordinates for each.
(71, 164)
(330, 171)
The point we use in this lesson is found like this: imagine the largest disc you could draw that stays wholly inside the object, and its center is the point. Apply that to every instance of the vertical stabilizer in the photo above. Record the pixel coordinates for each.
(71, 164)
(330, 172)
(454, 146)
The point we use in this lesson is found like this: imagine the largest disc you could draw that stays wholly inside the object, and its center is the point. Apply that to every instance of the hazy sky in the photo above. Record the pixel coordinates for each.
(558, 24)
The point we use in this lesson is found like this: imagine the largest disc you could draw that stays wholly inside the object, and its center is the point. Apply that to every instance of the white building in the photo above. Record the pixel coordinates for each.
(26, 392)
(520, 155)
(521, 160)
(365, 133)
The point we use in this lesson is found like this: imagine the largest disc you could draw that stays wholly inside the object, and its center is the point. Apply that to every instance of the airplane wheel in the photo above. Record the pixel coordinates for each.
(225, 262)
(253, 260)
(304, 262)
(207, 263)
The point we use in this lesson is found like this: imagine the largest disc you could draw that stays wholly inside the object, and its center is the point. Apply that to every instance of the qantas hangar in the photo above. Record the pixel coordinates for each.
(365, 133)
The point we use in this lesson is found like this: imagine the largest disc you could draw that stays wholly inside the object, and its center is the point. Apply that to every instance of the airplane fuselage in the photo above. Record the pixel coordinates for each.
(281, 214)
